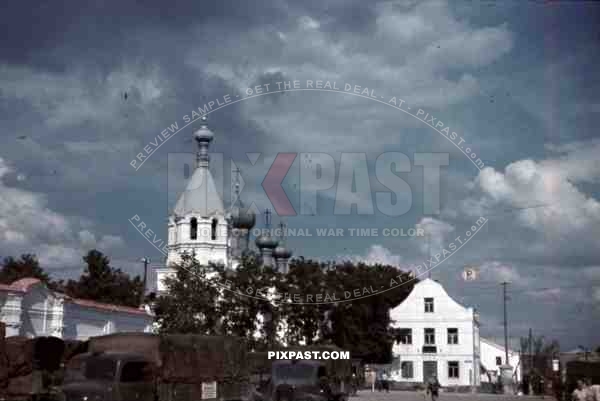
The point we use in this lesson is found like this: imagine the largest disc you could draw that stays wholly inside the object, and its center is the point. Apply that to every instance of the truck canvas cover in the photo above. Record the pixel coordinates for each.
(140, 343)
(188, 358)
(190, 367)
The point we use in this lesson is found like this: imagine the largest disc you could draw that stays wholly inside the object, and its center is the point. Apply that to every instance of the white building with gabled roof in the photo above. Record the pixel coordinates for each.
(29, 308)
(435, 335)
(493, 356)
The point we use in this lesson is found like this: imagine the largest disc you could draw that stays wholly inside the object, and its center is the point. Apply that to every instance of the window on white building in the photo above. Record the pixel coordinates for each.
(194, 228)
(453, 370)
(405, 336)
(498, 360)
(452, 336)
(214, 229)
(429, 336)
(428, 305)
(407, 369)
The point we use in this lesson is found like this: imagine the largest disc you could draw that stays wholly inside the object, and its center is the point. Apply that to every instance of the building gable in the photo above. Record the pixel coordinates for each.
(413, 307)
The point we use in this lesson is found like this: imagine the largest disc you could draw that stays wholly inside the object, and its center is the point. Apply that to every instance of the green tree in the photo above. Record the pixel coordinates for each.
(16, 269)
(190, 302)
(304, 320)
(103, 283)
(363, 326)
(195, 302)
(246, 298)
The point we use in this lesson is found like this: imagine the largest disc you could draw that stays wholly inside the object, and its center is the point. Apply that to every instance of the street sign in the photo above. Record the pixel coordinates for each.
(470, 274)
(209, 390)
(555, 367)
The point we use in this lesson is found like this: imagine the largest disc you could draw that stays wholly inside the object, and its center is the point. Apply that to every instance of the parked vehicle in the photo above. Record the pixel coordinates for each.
(137, 366)
(32, 368)
(301, 379)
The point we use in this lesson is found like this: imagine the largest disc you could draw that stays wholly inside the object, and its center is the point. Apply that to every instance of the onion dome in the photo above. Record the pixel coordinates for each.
(203, 134)
(243, 219)
(266, 241)
(282, 252)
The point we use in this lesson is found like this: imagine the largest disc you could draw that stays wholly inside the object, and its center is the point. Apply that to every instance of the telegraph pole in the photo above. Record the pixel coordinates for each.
(429, 252)
(146, 261)
(504, 284)
(530, 350)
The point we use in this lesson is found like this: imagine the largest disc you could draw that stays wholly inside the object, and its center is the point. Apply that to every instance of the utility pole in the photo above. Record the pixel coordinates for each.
(146, 261)
(530, 350)
(429, 250)
(504, 284)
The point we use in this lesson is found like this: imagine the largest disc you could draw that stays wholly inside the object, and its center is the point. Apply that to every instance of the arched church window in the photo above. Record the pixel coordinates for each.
(194, 228)
(214, 230)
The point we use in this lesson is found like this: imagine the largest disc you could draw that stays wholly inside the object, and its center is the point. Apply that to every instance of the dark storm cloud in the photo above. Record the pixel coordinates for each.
(31, 26)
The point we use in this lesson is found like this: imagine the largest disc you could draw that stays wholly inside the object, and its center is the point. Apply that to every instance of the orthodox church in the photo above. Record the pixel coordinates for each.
(202, 226)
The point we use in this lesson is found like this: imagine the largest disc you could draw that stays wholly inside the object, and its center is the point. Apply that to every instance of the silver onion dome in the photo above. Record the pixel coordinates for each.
(282, 252)
(266, 241)
(203, 134)
(243, 219)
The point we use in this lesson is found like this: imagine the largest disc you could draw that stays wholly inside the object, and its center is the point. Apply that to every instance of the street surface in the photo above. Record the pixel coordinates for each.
(414, 396)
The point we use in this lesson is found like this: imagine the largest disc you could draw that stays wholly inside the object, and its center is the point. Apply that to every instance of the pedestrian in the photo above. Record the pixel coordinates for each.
(385, 379)
(433, 387)
(593, 390)
(557, 387)
(542, 386)
(379, 380)
(372, 380)
(580, 393)
(354, 384)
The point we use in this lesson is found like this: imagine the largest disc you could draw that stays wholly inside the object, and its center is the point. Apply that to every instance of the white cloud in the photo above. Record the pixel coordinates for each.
(554, 206)
(498, 272)
(27, 225)
(376, 254)
(436, 233)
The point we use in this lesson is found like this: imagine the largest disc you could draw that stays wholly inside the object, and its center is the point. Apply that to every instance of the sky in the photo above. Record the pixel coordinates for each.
(517, 81)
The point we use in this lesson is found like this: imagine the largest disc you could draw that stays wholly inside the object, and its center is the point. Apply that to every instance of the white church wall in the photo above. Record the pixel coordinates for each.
(33, 310)
(88, 322)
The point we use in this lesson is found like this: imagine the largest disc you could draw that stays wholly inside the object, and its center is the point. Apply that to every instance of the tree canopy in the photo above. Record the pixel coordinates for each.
(103, 283)
(192, 300)
(16, 269)
(99, 282)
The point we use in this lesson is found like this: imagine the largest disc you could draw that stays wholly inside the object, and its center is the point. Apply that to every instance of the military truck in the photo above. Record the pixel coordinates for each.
(138, 366)
(300, 379)
(32, 368)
